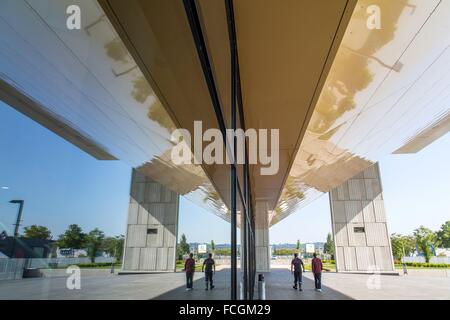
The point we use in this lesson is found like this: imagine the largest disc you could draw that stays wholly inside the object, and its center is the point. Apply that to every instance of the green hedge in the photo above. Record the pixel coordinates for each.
(427, 265)
(328, 261)
(92, 265)
(97, 265)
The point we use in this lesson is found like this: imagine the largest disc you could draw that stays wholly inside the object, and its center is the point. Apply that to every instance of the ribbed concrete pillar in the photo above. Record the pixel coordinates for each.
(359, 224)
(262, 244)
(152, 226)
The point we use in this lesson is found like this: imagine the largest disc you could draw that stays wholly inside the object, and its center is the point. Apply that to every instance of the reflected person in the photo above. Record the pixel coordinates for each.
(208, 266)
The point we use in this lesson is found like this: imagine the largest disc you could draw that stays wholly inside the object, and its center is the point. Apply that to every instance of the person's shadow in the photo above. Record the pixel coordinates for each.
(278, 285)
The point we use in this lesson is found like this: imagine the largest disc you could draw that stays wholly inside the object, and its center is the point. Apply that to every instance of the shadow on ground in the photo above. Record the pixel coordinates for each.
(278, 287)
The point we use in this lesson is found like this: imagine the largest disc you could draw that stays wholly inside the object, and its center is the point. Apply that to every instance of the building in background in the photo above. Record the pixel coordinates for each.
(27, 248)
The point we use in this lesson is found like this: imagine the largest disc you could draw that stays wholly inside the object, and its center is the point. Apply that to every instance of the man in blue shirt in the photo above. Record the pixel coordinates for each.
(296, 268)
(208, 266)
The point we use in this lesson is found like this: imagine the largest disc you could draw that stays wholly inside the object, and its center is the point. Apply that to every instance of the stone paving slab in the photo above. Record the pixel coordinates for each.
(279, 283)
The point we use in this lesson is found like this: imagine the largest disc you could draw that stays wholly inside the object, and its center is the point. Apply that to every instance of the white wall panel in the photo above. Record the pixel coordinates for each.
(364, 210)
(353, 210)
(167, 195)
(155, 240)
(354, 238)
(170, 216)
(340, 259)
(169, 236)
(142, 216)
(349, 258)
(380, 214)
(341, 236)
(138, 191)
(153, 192)
(157, 213)
(376, 234)
(371, 172)
(161, 261)
(339, 215)
(355, 189)
(342, 192)
(136, 235)
(133, 209)
(171, 251)
(373, 188)
(382, 258)
(334, 194)
(368, 211)
(365, 258)
(147, 259)
(131, 260)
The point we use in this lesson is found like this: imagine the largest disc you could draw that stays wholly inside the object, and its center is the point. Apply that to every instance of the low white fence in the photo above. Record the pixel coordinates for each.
(11, 269)
(422, 259)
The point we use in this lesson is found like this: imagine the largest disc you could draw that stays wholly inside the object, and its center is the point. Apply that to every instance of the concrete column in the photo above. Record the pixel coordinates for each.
(151, 236)
(359, 224)
(262, 245)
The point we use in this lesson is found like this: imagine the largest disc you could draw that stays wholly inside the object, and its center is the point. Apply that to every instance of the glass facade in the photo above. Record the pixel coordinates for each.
(240, 195)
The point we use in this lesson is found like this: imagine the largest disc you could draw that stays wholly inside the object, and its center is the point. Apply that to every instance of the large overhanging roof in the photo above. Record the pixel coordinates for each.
(341, 94)
(285, 51)
(384, 86)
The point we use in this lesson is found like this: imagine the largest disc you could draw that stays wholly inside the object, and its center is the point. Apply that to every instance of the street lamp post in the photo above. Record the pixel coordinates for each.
(112, 263)
(17, 224)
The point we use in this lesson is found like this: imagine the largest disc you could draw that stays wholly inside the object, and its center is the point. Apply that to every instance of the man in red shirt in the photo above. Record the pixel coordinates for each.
(189, 268)
(317, 268)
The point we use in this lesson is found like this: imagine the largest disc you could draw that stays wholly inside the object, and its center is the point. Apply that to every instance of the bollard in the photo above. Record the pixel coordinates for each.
(241, 290)
(261, 287)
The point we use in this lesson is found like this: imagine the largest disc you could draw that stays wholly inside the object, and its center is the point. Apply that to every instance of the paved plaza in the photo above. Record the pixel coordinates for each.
(100, 284)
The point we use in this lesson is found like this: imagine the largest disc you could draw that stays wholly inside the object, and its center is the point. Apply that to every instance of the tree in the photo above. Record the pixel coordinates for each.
(425, 239)
(37, 232)
(213, 245)
(402, 246)
(298, 245)
(94, 243)
(329, 246)
(183, 247)
(73, 238)
(443, 235)
(113, 246)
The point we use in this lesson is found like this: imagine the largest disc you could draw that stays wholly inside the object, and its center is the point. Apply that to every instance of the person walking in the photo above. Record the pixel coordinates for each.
(208, 266)
(296, 268)
(189, 268)
(317, 268)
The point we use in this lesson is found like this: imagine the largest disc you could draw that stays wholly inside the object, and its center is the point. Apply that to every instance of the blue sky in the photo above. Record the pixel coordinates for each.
(63, 185)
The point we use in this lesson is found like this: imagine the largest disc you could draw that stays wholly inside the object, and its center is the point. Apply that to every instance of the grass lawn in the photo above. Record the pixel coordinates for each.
(93, 266)
(326, 266)
(180, 266)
